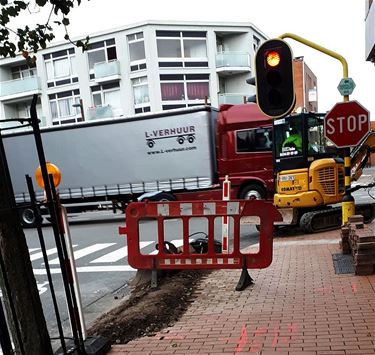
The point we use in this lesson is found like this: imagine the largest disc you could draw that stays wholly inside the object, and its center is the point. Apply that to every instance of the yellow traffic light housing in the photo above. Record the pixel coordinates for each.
(274, 78)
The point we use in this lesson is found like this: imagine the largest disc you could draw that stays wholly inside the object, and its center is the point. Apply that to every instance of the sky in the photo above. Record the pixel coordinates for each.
(338, 25)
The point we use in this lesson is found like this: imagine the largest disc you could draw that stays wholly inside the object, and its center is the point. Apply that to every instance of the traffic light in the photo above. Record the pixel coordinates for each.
(274, 78)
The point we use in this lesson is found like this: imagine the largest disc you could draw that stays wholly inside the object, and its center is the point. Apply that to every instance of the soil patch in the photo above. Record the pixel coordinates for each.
(149, 310)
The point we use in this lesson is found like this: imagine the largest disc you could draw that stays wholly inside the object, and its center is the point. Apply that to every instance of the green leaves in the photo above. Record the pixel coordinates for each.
(41, 3)
(83, 45)
(33, 39)
(65, 21)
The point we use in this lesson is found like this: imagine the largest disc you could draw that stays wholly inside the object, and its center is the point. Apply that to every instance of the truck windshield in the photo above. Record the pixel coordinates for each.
(288, 137)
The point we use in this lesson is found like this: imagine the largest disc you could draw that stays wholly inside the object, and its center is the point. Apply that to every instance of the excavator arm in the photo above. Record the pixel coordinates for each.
(361, 154)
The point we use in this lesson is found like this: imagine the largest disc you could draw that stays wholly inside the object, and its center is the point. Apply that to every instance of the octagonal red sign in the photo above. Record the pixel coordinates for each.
(346, 124)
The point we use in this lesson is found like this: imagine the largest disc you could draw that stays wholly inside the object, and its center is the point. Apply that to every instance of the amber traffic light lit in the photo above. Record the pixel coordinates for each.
(273, 58)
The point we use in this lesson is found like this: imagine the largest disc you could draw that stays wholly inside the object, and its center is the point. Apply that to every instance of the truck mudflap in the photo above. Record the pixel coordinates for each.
(331, 218)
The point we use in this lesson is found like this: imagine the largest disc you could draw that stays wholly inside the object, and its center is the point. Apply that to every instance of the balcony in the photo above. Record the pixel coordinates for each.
(233, 99)
(370, 34)
(228, 63)
(98, 112)
(19, 88)
(107, 71)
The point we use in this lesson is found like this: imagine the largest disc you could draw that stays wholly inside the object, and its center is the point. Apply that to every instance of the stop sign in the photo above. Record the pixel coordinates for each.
(346, 124)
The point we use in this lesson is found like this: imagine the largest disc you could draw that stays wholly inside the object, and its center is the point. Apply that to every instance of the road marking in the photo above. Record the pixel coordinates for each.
(42, 287)
(40, 254)
(85, 251)
(33, 249)
(85, 269)
(176, 242)
(117, 254)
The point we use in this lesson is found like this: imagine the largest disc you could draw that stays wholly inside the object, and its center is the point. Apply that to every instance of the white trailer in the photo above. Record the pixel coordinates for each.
(118, 160)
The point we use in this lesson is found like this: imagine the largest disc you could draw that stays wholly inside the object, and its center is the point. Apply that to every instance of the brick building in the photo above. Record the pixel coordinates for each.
(305, 84)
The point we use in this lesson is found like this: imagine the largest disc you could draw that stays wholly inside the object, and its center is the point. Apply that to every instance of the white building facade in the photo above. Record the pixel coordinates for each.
(370, 30)
(147, 67)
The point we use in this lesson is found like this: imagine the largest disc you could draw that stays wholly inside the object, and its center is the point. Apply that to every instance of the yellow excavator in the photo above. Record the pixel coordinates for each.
(309, 173)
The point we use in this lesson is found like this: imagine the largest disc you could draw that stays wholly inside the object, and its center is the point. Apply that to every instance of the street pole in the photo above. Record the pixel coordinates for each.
(348, 203)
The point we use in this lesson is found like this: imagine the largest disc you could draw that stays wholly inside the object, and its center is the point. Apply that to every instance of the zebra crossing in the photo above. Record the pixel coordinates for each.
(98, 257)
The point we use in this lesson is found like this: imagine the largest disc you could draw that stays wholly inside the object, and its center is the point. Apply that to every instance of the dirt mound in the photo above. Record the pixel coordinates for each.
(148, 310)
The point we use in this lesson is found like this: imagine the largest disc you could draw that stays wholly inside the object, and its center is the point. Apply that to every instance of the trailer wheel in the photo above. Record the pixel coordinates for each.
(28, 218)
(163, 196)
(191, 139)
(253, 191)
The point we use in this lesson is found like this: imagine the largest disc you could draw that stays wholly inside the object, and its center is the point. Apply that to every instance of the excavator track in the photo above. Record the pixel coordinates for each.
(331, 218)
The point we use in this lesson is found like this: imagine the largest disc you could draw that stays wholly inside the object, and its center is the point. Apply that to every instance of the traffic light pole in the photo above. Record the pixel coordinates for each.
(348, 204)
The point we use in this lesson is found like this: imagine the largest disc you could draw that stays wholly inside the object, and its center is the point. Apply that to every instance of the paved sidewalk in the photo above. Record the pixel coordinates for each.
(296, 306)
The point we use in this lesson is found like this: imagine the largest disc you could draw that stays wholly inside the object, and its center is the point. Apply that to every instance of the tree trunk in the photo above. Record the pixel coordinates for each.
(16, 271)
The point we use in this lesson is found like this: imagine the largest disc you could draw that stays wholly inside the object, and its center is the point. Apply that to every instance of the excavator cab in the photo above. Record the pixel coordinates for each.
(309, 172)
(299, 140)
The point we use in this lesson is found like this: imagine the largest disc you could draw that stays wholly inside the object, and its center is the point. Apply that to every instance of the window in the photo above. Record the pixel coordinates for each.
(256, 43)
(99, 52)
(141, 97)
(107, 95)
(288, 137)
(184, 90)
(137, 51)
(62, 109)
(140, 92)
(61, 68)
(254, 140)
(182, 49)
(22, 72)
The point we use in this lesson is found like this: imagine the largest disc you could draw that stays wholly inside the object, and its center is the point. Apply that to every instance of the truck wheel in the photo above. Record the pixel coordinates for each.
(253, 191)
(28, 218)
(163, 196)
(191, 139)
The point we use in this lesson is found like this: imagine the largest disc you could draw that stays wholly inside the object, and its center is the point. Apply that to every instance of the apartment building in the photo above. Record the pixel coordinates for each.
(151, 66)
(370, 31)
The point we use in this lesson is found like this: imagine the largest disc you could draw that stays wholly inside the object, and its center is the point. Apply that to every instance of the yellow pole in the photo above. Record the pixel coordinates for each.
(323, 50)
(348, 205)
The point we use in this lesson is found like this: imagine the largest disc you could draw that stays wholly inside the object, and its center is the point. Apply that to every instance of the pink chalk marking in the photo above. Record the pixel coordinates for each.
(243, 339)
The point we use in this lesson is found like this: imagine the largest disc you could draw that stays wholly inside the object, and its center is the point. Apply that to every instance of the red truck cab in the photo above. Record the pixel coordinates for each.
(244, 150)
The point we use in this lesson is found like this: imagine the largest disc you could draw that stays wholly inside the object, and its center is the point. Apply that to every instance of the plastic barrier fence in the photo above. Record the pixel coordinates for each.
(186, 258)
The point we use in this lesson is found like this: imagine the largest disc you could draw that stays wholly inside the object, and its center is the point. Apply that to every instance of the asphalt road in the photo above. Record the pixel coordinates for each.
(101, 259)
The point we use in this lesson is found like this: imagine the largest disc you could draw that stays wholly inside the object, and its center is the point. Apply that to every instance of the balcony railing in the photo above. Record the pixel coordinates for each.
(233, 60)
(24, 86)
(99, 112)
(232, 99)
(107, 70)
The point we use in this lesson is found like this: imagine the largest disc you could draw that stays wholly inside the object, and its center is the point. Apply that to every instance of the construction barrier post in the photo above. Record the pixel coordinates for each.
(225, 219)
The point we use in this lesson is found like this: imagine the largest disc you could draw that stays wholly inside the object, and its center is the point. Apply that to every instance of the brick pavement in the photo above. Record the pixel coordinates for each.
(296, 306)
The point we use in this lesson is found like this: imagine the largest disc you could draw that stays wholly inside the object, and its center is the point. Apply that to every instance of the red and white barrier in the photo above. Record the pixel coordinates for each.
(225, 219)
(139, 212)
